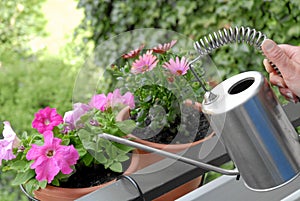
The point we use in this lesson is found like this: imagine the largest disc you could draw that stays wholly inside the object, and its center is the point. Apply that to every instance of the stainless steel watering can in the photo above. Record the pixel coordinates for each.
(255, 131)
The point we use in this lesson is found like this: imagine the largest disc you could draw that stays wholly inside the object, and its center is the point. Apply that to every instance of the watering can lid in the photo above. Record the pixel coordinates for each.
(233, 92)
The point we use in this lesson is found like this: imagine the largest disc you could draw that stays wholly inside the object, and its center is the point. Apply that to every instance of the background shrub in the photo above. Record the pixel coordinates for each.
(278, 19)
(20, 21)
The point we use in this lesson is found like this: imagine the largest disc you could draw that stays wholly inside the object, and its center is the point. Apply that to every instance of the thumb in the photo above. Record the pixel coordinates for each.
(275, 54)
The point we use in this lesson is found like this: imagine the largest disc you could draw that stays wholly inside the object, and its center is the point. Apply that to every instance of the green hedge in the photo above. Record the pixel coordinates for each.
(278, 19)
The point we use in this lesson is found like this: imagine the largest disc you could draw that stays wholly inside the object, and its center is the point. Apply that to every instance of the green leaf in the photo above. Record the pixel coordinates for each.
(55, 182)
(31, 186)
(18, 165)
(125, 148)
(126, 126)
(87, 159)
(100, 157)
(81, 150)
(43, 184)
(116, 167)
(65, 141)
(122, 158)
(22, 178)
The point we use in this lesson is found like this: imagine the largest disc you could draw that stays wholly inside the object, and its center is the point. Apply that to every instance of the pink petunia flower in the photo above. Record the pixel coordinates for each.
(162, 48)
(129, 99)
(9, 142)
(133, 53)
(51, 158)
(114, 99)
(46, 119)
(178, 67)
(98, 101)
(146, 62)
(71, 117)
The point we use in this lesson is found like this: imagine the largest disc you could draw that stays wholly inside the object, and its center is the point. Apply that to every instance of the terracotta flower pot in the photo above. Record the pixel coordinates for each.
(147, 158)
(52, 193)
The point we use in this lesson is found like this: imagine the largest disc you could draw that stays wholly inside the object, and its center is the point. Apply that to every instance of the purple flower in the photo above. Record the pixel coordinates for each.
(98, 101)
(51, 158)
(179, 67)
(46, 119)
(7, 144)
(71, 117)
(146, 62)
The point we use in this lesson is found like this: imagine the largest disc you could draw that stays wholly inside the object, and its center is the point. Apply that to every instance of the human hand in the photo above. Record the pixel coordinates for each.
(287, 59)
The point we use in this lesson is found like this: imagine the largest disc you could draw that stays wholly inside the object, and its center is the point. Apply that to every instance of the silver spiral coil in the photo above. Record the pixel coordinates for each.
(217, 39)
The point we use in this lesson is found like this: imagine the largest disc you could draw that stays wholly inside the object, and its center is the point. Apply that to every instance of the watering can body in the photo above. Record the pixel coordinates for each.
(255, 130)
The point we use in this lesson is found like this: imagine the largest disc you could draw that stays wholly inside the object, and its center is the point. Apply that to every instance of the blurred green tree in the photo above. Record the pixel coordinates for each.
(20, 21)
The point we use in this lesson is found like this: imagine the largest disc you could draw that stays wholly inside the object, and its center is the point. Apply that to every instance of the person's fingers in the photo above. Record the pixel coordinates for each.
(275, 54)
(195, 105)
(268, 66)
(277, 80)
(289, 95)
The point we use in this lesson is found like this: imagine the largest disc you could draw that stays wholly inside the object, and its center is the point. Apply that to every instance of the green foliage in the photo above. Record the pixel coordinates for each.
(29, 84)
(20, 21)
(108, 153)
(278, 19)
(8, 192)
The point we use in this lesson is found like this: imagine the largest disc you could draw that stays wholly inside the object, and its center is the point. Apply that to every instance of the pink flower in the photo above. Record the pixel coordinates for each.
(133, 53)
(71, 117)
(46, 119)
(129, 99)
(7, 144)
(98, 101)
(114, 99)
(162, 48)
(51, 158)
(179, 67)
(146, 62)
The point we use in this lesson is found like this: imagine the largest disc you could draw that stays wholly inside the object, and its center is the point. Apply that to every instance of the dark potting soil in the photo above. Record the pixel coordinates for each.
(191, 126)
(92, 176)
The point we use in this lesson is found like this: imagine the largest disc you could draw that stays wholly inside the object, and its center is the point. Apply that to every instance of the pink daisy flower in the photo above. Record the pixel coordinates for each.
(146, 62)
(133, 53)
(9, 142)
(178, 67)
(162, 48)
(51, 158)
(46, 119)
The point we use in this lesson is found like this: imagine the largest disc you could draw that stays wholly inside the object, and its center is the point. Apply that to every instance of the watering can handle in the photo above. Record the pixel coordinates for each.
(168, 154)
(217, 39)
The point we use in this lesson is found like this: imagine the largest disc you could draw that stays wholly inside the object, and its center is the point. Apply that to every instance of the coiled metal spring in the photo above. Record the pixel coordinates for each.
(223, 37)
